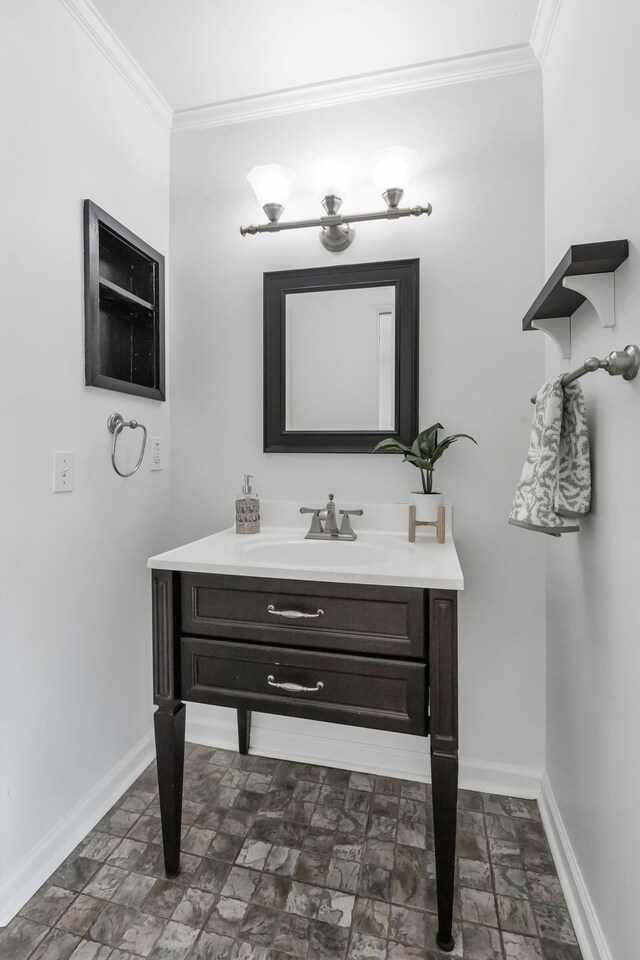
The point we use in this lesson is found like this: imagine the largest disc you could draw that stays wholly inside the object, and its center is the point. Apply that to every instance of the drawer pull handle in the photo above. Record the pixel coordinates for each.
(294, 687)
(294, 614)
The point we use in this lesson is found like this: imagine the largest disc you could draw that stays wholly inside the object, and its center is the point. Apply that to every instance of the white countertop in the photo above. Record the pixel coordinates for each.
(381, 554)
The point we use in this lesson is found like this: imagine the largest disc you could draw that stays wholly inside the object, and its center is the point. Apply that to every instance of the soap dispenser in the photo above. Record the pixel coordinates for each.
(247, 508)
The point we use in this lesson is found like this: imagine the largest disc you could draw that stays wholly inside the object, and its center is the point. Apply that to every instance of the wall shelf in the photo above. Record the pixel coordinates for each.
(111, 291)
(586, 272)
(124, 308)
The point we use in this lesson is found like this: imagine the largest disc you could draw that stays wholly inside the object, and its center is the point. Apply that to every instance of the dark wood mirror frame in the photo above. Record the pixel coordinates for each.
(404, 276)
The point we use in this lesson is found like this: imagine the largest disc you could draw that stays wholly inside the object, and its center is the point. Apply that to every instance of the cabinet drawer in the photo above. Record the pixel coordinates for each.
(363, 691)
(349, 618)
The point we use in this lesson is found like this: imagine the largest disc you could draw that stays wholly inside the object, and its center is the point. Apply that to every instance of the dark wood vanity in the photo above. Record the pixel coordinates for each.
(383, 657)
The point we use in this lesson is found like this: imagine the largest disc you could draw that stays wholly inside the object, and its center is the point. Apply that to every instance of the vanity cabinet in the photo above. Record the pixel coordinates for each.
(345, 645)
(368, 655)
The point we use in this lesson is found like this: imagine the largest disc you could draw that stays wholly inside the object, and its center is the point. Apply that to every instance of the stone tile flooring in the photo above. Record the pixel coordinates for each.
(284, 861)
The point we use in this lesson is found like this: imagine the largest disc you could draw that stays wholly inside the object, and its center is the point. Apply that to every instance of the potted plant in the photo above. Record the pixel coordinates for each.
(424, 453)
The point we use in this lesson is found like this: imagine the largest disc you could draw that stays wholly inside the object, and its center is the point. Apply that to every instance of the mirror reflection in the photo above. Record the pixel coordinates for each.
(340, 359)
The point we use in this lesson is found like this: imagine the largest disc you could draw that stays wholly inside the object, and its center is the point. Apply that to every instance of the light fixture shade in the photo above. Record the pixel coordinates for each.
(332, 176)
(272, 184)
(392, 168)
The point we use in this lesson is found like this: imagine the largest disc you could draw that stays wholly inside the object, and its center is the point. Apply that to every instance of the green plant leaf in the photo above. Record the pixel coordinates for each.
(425, 450)
(427, 441)
(442, 446)
(457, 436)
(392, 445)
(418, 461)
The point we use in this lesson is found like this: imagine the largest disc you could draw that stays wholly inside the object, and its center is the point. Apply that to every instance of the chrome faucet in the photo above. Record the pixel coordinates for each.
(330, 529)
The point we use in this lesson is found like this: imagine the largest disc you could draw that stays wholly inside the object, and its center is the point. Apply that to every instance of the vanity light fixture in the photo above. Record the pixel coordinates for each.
(391, 170)
(272, 185)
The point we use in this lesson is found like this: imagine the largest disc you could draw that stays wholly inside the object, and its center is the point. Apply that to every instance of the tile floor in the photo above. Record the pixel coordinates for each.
(284, 861)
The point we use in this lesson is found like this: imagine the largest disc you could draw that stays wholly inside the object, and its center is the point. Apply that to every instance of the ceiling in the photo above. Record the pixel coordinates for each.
(201, 52)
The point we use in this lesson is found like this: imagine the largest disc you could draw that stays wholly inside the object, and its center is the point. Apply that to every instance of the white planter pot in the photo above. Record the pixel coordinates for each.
(426, 504)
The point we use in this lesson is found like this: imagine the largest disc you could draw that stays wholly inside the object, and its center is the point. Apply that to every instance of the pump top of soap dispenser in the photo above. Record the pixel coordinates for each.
(247, 489)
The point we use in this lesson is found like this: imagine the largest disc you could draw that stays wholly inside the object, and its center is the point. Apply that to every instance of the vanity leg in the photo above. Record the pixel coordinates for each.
(169, 718)
(169, 730)
(444, 775)
(443, 669)
(244, 730)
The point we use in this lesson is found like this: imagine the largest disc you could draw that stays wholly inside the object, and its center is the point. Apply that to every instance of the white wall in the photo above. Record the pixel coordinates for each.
(592, 159)
(481, 264)
(75, 636)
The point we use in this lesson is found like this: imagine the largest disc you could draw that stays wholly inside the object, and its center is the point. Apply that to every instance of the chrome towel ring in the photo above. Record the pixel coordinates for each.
(116, 425)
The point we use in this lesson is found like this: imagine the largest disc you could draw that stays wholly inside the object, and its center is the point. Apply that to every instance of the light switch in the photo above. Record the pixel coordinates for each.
(62, 471)
(156, 453)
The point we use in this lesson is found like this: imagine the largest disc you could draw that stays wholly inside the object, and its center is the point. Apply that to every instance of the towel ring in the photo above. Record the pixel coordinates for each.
(116, 425)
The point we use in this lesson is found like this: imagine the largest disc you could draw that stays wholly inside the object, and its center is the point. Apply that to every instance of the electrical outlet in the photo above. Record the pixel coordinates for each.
(156, 453)
(62, 471)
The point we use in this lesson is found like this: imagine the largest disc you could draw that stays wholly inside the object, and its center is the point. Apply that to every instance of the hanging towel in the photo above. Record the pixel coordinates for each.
(555, 485)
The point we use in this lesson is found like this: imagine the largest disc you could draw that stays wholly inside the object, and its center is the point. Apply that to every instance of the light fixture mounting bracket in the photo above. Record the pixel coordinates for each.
(337, 237)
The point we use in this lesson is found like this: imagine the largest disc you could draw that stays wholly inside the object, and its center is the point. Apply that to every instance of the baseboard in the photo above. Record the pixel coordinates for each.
(504, 779)
(20, 885)
(351, 749)
(583, 915)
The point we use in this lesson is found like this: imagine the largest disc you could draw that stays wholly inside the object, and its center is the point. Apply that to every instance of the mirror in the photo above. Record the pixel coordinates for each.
(341, 348)
(359, 392)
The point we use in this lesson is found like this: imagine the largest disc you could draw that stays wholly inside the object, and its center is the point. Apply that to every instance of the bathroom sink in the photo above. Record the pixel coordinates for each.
(380, 555)
(313, 553)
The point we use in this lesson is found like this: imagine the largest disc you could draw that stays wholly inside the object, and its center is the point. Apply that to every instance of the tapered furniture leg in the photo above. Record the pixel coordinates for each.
(444, 775)
(169, 718)
(443, 670)
(244, 730)
(169, 730)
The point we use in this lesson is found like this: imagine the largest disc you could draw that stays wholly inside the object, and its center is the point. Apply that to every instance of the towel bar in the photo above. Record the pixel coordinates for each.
(620, 363)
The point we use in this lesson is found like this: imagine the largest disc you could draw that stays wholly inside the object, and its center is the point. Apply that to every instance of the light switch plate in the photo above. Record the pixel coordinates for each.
(156, 453)
(62, 471)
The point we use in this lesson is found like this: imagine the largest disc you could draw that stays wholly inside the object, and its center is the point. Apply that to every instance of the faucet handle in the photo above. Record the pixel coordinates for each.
(316, 525)
(346, 530)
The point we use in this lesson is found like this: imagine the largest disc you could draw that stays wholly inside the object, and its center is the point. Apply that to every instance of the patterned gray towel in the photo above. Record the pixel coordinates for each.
(556, 478)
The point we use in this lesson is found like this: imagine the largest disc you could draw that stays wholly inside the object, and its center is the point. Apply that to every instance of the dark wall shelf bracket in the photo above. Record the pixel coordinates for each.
(586, 272)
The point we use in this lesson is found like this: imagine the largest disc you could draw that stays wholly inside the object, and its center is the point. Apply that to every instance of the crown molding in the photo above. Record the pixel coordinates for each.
(543, 27)
(86, 15)
(491, 63)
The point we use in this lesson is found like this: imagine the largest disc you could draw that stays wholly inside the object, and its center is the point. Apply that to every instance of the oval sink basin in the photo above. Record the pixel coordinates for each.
(313, 553)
